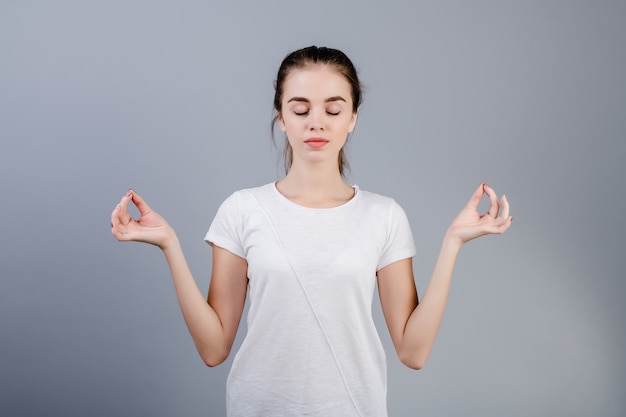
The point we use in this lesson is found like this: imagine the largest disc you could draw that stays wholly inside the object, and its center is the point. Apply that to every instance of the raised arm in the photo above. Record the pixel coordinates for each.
(212, 323)
(413, 325)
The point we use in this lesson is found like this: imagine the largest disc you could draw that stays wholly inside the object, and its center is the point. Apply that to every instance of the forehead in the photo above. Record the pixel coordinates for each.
(316, 81)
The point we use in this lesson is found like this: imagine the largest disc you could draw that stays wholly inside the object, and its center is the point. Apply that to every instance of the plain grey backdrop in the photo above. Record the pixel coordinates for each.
(174, 100)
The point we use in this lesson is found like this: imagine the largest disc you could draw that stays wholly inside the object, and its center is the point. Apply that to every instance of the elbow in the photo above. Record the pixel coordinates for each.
(213, 359)
(414, 364)
(213, 362)
(413, 360)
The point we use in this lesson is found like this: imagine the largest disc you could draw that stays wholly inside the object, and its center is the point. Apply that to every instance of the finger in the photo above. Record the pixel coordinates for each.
(120, 214)
(505, 207)
(118, 229)
(142, 206)
(494, 206)
(504, 226)
(476, 197)
(498, 225)
(115, 216)
(126, 200)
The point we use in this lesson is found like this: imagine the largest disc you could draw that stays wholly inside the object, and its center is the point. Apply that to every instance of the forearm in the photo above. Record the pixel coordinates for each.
(414, 336)
(202, 320)
(425, 320)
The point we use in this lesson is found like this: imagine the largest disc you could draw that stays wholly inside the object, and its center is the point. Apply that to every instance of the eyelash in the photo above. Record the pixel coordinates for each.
(307, 112)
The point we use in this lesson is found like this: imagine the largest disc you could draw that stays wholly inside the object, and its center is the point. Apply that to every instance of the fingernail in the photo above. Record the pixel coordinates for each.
(129, 192)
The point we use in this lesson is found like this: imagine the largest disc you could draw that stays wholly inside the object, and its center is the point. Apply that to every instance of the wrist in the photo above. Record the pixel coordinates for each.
(169, 241)
(452, 241)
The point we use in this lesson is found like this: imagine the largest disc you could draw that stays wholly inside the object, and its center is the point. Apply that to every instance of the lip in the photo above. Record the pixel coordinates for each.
(316, 142)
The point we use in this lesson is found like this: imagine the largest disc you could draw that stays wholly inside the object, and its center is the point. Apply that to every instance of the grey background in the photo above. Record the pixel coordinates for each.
(174, 100)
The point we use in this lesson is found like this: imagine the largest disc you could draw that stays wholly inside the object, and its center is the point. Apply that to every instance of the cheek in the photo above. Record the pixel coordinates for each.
(290, 122)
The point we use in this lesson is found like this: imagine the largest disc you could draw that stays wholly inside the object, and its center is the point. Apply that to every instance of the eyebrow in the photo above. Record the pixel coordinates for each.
(328, 100)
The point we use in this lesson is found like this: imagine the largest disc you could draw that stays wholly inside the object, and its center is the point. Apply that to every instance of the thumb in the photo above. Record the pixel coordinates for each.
(142, 206)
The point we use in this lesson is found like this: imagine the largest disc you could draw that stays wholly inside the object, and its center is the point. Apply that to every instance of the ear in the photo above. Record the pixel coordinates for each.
(281, 122)
(352, 124)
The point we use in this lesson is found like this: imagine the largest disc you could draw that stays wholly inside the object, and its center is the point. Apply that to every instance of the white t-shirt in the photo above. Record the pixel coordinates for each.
(311, 347)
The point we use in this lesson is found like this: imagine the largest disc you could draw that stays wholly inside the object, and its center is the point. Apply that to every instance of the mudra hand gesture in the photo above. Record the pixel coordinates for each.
(150, 227)
(470, 224)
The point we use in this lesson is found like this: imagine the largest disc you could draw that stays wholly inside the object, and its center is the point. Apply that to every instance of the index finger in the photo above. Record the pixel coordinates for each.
(120, 214)
(494, 206)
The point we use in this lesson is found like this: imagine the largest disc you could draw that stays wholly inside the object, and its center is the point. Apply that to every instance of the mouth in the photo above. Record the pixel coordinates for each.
(316, 142)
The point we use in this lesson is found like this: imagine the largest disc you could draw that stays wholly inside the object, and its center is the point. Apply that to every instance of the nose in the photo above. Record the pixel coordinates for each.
(316, 120)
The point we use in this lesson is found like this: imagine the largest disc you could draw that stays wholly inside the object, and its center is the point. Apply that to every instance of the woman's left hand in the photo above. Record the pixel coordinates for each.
(470, 224)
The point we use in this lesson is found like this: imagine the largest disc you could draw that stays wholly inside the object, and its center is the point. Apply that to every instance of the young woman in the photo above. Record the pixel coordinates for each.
(310, 249)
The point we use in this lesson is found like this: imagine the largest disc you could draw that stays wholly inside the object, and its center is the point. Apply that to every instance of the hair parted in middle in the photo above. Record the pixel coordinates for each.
(300, 59)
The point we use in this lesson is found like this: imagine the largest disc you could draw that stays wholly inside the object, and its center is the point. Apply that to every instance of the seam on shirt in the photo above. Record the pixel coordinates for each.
(310, 303)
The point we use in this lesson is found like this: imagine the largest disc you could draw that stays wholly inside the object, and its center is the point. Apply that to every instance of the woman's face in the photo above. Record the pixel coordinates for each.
(316, 113)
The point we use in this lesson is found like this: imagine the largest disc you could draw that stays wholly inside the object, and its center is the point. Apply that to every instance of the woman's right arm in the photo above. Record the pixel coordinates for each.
(212, 323)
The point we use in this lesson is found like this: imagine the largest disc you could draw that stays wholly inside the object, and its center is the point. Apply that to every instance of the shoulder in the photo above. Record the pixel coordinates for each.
(374, 198)
(382, 208)
(259, 191)
(378, 201)
(246, 194)
(243, 202)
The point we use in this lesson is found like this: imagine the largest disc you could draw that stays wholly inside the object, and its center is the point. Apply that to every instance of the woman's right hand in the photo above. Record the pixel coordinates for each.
(150, 227)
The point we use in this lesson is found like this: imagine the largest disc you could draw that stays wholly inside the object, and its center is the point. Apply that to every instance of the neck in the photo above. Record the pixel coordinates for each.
(313, 186)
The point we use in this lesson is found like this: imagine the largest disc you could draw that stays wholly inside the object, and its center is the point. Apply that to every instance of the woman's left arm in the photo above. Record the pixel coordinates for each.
(413, 325)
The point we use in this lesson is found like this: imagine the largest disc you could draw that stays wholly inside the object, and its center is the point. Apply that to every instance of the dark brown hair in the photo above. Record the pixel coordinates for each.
(308, 56)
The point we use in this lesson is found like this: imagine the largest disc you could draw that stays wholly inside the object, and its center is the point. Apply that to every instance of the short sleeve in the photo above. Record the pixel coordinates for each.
(399, 242)
(227, 226)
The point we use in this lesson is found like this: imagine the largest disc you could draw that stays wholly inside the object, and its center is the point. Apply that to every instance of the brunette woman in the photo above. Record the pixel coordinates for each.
(310, 249)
